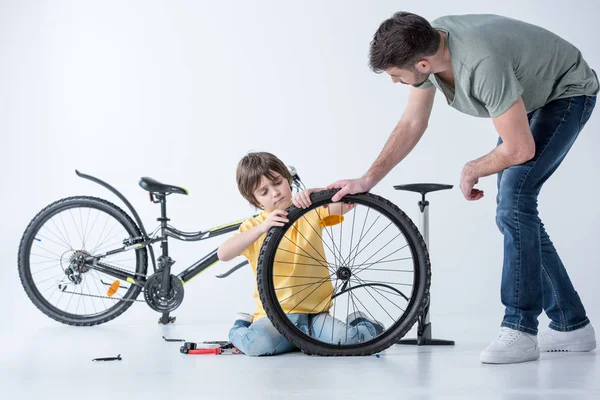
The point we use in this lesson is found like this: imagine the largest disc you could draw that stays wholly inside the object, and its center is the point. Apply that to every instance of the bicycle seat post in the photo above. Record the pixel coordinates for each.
(164, 261)
(164, 245)
(424, 325)
(424, 220)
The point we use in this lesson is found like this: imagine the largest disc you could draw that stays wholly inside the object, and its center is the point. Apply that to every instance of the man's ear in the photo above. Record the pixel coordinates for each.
(423, 66)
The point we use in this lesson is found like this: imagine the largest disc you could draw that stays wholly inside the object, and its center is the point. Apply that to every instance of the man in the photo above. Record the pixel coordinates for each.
(539, 92)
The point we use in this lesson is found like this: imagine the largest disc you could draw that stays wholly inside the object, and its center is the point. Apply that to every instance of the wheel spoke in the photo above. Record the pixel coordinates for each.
(369, 269)
(54, 261)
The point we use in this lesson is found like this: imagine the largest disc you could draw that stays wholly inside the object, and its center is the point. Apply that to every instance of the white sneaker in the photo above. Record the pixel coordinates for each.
(244, 318)
(582, 339)
(511, 346)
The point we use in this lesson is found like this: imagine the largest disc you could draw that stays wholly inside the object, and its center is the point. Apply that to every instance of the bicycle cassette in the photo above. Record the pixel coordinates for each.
(170, 301)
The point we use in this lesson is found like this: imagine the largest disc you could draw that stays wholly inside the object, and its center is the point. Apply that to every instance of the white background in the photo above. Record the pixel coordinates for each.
(181, 90)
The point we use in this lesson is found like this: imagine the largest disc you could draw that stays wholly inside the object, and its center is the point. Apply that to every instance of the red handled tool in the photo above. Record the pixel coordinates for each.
(216, 348)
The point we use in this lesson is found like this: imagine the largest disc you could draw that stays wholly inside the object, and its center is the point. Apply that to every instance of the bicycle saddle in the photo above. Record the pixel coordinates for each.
(154, 186)
(423, 188)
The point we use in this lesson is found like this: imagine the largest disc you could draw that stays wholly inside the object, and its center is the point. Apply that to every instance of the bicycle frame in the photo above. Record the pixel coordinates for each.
(166, 231)
(169, 231)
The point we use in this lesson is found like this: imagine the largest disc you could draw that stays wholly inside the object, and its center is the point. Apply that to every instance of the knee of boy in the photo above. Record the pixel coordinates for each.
(351, 335)
(259, 346)
(232, 333)
(363, 331)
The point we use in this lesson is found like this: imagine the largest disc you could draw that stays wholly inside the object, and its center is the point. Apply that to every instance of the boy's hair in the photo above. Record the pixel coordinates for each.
(401, 41)
(253, 167)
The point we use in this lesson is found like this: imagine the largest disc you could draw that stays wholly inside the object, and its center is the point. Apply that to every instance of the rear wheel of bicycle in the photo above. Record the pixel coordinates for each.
(50, 262)
(358, 268)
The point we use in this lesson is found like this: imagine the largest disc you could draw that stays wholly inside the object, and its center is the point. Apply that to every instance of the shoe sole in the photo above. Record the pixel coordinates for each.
(570, 347)
(491, 359)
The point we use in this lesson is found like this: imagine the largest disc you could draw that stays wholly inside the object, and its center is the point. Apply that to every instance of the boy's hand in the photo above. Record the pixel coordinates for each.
(276, 218)
(302, 199)
(347, 207)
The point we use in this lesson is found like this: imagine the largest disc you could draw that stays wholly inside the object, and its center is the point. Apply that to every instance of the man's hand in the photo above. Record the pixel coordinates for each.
(467, 182)
(350, 186)
(276, 218)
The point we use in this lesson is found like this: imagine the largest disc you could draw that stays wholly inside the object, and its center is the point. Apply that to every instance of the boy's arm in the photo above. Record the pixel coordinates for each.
(234, 246)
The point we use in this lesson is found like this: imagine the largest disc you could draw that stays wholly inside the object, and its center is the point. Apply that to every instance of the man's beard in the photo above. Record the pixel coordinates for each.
(420, 78)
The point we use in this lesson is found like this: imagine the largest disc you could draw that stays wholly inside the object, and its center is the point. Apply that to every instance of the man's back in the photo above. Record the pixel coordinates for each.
(496, 59)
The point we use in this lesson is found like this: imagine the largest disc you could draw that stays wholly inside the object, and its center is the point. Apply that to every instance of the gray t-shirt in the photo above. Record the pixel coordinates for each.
(497, 59)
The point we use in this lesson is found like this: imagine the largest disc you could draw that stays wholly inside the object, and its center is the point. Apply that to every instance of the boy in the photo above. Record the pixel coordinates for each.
(265, 182)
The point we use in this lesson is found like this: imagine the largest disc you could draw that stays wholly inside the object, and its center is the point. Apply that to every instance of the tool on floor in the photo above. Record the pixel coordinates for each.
(217, 348)
(173, 340)
(117, 358)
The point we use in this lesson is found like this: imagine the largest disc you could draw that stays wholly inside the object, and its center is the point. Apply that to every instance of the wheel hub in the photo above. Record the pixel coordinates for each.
(77, 266)
(344, 273)
(77, 261)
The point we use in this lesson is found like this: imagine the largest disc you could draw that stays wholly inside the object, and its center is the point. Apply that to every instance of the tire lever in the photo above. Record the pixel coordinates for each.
(117, 358)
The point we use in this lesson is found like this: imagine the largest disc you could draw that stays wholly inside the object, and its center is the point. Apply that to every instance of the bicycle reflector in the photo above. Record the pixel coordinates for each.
(332, 220)
(113, 288)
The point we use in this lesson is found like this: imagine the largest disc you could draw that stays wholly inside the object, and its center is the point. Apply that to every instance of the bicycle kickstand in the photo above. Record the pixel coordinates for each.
(166, 319)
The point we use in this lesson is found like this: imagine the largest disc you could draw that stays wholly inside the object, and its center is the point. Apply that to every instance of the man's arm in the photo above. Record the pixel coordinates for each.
(403, 139)
(517, 147)
(405, 135)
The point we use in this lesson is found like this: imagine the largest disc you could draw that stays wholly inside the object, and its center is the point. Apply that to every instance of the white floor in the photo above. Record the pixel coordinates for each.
(55, 362)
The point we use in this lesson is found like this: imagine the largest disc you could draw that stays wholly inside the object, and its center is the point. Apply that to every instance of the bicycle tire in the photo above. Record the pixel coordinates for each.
(141, 263)
(306, 343)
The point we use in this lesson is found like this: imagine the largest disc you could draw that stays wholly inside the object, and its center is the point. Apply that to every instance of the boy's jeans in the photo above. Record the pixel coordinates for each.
(261, 338)
(533, 276)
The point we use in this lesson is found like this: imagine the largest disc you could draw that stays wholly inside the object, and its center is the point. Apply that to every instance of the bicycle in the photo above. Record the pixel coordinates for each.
(83, 260)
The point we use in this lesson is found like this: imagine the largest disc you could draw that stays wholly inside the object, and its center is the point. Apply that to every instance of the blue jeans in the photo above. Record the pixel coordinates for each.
(533, 276)
(261, 338)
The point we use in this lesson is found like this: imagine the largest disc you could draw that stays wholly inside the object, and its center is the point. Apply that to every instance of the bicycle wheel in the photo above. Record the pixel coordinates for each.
(53, 276)
(358, 268)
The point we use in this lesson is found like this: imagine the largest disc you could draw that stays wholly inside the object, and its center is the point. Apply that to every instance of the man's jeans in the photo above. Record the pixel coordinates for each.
(533, 276)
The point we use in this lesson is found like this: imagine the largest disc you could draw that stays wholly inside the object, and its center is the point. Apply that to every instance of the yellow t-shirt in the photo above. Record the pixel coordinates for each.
(300, 274)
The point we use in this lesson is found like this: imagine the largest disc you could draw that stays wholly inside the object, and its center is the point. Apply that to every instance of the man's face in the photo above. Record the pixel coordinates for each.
(407, 77)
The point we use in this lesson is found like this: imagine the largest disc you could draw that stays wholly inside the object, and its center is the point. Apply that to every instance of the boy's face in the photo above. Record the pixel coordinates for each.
(274, 195)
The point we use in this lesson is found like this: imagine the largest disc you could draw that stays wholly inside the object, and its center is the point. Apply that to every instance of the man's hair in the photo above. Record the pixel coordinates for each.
(253, 167)
(401, 41)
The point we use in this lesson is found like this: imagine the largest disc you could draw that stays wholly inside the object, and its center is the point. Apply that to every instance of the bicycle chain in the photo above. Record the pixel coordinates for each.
(103, 297)
(120, 269)
(106, 297)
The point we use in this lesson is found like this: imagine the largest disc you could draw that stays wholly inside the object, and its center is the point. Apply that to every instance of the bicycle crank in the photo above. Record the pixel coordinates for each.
(170, 301)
